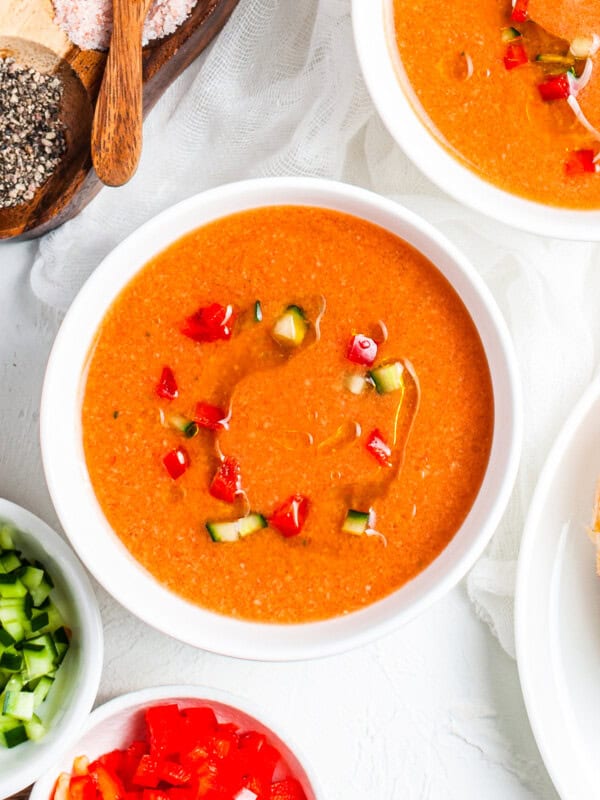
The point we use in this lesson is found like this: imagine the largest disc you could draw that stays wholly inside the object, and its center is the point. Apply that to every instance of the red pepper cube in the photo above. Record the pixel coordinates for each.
(176, 462)
(108, 785)
(165, 730)
(227, 482)
(520, 12)
(173, 773)
(211, 417)
(555, 88)
(287, 789)
(515, 56)
(211, 323)
(131, 759)
(181, 794)
(167, 385)
(580, 161)
(155, 794)
(82, 787)
(362, 350)
(146, 774)
(379, 448)
(290, 516)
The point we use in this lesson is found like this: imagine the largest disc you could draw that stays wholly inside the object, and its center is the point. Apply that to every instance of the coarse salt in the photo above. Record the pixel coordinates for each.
(88, 23)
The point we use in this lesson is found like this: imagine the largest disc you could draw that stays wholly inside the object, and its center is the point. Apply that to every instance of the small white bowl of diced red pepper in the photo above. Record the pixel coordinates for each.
(51, 647)
(179, 743)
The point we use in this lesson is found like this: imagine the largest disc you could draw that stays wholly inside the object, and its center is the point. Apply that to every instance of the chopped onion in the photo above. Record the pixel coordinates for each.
(355, 383)
(585, 46)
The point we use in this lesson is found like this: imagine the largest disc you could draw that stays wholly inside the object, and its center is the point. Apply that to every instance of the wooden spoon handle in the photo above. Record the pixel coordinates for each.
(117, 129)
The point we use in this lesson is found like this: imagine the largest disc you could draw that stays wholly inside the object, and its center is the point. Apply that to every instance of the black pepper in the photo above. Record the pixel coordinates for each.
(32, 138)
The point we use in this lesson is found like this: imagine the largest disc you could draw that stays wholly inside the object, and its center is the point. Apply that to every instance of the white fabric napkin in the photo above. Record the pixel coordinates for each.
(281, 93)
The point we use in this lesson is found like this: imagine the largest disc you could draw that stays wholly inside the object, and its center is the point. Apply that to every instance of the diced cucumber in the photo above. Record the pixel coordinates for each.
(35, 728)
(388, 377)
(10, 560)
(510, 34)
(356, 522)
(19, 705)
(291, 327)
(41, 690)
(11, 660)
(14, 734)
(11, 586)
(7, 533)
(236, 529)
(31, 577)
(187, 427)
(40, 663)
(33, 642)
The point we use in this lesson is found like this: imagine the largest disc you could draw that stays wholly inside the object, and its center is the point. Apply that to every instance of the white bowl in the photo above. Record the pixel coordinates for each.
(374, 36)
(120, 721)
(74, 691)
(101, 549)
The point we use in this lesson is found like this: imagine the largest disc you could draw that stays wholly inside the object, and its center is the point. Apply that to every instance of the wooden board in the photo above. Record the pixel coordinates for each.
(29, 34)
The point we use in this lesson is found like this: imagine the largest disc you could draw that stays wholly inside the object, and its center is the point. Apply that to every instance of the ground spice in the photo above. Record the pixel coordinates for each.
(88, 23)
(32, 140)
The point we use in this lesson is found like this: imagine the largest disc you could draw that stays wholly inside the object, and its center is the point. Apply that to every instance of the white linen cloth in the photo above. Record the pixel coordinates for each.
(280, 92)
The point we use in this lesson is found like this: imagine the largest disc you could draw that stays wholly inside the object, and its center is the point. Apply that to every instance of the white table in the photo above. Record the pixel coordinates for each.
(433, 712)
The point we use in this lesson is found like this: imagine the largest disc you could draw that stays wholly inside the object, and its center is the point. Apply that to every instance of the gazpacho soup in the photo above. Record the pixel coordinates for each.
(287, 414)
(510, 89)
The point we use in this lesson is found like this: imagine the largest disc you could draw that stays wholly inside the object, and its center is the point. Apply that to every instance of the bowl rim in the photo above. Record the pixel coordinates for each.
(72, 574)
(64, 465)
(152, 694)
(371, 23)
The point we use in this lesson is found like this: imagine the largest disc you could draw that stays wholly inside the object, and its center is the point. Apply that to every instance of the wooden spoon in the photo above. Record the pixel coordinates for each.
(117, 129)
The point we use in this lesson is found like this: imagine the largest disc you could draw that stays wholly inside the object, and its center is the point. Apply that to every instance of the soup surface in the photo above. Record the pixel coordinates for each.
(513, 94)
(297, 432)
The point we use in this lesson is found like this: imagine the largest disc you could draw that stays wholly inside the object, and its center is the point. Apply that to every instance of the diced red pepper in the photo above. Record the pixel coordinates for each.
(113, 761)
(520, 12)
(515, 56)
(379, 448)
(131, 759)
(201, 720)
(165, 725)
(210, 323)
(557, 87)
(227, 482)
(167, 385)
(287, 789)
(174, 774)
(362, 350)
(580, 161)
(133, 796)
(155, 794)
(176, 462)
(290, 516)
(80, 765)
(211, 417)
(147, 772)
(82, 787)
(108, 784)
(181, 794)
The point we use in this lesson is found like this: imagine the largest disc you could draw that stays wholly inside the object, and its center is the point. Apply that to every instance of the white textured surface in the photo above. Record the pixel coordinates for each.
(434, 712)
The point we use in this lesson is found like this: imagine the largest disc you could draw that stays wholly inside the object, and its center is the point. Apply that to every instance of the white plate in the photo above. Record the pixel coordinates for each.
(558, 608)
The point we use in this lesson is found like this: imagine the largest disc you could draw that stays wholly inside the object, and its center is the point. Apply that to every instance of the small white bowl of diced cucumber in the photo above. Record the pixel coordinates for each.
(51, 647)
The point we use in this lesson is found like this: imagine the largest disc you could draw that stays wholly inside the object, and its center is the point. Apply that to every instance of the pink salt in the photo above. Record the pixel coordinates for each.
(88, 23)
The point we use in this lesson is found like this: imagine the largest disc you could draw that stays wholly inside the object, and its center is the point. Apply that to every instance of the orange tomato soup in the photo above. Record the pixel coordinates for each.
(477, 78)
(293, 423)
